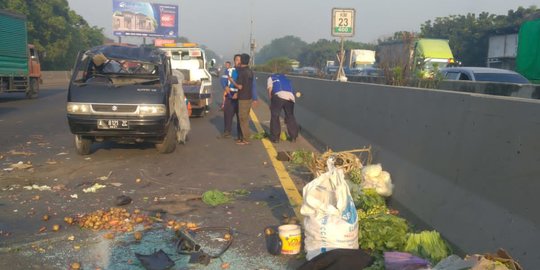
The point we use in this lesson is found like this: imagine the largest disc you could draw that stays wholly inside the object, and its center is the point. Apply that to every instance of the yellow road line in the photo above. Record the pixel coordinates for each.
(289, 187)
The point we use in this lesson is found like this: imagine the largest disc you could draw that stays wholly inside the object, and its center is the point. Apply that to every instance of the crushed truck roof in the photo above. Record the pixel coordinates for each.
(129, 52)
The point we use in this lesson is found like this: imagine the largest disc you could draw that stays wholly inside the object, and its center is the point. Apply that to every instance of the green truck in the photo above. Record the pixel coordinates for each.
(417, 56)
(20, 70)
(528, 55)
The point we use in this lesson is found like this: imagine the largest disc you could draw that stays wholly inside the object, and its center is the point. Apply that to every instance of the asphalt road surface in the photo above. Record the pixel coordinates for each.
(35, 133)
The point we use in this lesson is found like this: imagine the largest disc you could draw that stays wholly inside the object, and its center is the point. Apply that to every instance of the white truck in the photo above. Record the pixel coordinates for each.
(502, 51)
(190, 60)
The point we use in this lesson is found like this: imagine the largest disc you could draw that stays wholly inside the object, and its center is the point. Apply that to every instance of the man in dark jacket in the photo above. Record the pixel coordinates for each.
(244, 84)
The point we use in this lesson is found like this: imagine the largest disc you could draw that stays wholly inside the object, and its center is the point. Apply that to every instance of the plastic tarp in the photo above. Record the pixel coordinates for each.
(528, 58)
(434, 48)
(178, 102)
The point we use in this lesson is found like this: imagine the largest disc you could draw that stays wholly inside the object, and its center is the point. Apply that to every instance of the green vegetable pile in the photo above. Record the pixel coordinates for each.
(428, 245)
(381, 232)
(355, 175)
(369, 202)
(215, 197)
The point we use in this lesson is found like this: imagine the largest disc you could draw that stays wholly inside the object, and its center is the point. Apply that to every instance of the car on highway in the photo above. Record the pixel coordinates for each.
(483, 74)
(127, 94)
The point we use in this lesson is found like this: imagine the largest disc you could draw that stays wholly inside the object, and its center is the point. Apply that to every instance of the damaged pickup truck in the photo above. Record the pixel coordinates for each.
(127, 94)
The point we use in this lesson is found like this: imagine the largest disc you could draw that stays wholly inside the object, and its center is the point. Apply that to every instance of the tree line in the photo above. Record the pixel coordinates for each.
(58, 32)
(468, 36)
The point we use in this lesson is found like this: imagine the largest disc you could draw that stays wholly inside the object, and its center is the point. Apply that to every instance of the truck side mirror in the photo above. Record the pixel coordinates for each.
(212, 62)
(174, 80)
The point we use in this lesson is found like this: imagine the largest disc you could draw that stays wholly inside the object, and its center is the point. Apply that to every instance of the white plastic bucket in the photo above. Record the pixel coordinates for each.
(291, 239)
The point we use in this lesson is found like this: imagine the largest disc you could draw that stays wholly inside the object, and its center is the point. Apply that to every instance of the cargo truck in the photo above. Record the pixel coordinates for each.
(20, 70)
(419, 56)
(356, 60)
(190, 60)
(528, 55)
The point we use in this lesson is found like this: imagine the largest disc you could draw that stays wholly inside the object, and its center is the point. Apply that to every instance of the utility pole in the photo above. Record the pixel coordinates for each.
(252, 44)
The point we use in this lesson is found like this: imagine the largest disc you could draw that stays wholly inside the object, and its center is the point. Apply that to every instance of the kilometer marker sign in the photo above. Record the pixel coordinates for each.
(343, 20)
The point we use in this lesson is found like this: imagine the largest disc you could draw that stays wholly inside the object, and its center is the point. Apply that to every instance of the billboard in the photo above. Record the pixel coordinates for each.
(143, 19)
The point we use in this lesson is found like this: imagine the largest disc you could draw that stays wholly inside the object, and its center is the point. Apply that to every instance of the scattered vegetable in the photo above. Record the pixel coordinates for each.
(428, 245)
(215, 197)
(302, 157)
(381, 232)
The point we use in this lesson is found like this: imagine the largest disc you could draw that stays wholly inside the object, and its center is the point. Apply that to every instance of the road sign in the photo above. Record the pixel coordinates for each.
(343, 20)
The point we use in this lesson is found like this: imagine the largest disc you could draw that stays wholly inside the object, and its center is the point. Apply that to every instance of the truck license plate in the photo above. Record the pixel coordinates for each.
(113, 124)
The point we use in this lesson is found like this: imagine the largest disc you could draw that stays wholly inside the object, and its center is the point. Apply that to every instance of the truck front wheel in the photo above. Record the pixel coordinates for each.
(83, 145)
(33, 88)
(169, 142)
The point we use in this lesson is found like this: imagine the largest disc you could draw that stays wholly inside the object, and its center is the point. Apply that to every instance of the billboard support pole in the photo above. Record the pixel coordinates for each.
(119, 39)
(144, 40)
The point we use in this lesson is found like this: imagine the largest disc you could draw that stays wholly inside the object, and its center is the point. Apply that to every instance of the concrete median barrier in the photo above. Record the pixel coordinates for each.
(55, 79)
(465, 164)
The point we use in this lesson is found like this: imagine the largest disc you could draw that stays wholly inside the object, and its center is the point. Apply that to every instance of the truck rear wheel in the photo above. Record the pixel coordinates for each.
(169, 142)
(83, 145)
(33, 88)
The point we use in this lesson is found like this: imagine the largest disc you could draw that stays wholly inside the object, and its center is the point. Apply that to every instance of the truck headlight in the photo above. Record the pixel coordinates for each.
(79, 108)
(152, 110)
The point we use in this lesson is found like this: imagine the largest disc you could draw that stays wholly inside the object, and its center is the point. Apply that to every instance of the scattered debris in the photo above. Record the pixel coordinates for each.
(71, 238)
(94, 188)
(75, 266)
(346, 160)
(138, 180)
(59, 187)
(20, 153)
(8, 169)
(116, 219)
(123, 200)
(55, 227)
(74, 196)
(36, 187)
(45, 217)
(116, 184)
(62, 154)
(137, 235)
(51, 162)
(104, 178)
(21, 165)
(68, 220)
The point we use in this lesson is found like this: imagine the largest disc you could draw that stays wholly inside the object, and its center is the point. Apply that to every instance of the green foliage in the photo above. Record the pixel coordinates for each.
(316, 54)
(428, 245)
(382, 232)
(276, 65)
(57, 32)
(355, 175)
(259, 136)
(378, 263)
(301, 157)
(215, 197)
(369, 200)
(285, 47)
(469, 34)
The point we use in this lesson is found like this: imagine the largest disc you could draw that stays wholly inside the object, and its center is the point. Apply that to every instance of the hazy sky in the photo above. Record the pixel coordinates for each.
(224, 25)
